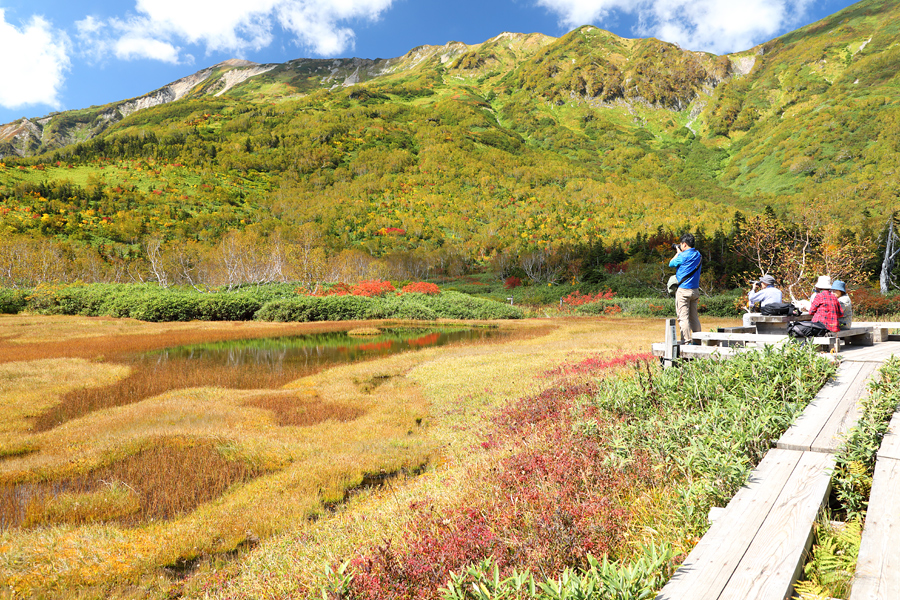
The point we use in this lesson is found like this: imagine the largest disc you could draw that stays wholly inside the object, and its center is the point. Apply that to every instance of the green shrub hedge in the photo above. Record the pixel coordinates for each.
(447, 305)
(278, 302)
(12, 301)
(713, 306)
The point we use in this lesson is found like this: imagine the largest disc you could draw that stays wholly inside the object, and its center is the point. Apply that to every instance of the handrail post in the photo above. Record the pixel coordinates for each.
(671, 348)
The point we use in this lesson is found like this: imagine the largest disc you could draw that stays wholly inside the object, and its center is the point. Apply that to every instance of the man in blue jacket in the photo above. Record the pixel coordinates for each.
(687, 259)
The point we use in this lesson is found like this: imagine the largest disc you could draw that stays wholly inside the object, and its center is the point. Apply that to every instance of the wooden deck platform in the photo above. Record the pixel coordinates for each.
(756, 547)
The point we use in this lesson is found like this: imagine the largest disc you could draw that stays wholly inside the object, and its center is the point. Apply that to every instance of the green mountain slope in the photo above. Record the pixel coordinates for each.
(522, 143)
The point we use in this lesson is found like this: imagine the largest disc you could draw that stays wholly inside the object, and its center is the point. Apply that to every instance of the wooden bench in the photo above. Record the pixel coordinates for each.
(709, 338)
(855, 336)
(775, 324)
(736, 329)
(756, 548)
(881, 330)
(689, 351)
(877, 574)
(832, 412)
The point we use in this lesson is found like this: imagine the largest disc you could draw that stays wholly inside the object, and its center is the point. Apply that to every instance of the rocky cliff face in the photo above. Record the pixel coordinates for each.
(27, 136)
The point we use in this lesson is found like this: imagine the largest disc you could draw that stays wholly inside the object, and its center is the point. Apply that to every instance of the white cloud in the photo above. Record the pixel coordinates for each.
(132, 47)
(719, 26)
(36, 61)
(236, 26)
(93, 37)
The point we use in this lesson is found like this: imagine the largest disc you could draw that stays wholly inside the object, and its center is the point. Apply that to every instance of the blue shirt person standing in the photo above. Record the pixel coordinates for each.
(687, 296)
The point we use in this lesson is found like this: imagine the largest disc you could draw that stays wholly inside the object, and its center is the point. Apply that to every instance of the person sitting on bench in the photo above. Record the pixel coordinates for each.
(768, 294)
(839, 289)
(825, 308)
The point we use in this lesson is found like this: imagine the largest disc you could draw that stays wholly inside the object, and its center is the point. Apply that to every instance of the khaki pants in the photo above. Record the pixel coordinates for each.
(686, 308)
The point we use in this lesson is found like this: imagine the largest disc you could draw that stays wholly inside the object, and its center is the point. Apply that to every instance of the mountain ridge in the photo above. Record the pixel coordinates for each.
(25, 136)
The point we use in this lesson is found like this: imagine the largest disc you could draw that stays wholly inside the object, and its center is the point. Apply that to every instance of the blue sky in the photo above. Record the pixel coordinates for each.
(60, 55)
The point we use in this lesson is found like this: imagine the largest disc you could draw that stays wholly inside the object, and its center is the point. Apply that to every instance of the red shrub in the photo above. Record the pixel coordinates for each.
(338, 289)
(391, 231)
(421, 287)
(576, 298)
(871, 303)
(371, 288)
(512, 282)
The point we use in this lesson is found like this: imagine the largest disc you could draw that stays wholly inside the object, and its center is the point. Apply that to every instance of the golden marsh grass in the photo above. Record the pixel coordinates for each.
(163, 480)
(397, 412)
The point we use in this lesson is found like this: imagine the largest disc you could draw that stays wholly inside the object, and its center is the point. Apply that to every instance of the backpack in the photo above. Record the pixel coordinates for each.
(779, 308)
(806, 329)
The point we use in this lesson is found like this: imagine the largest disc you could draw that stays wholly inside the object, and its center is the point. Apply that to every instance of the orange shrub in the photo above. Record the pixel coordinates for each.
(371, 288)
(421, 287)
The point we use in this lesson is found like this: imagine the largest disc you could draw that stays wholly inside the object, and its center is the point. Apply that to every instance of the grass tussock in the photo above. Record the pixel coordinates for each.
(169, 478)
(302, 411)
(148, 380)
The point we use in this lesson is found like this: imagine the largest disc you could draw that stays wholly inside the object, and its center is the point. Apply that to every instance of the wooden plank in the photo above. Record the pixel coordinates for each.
(806, 428)
(774, 560)
(856, 337)
(658, 349)
(878, 566)
(778, 318)
(878, 353)
(740, 329)
(739, 337)
(890, 444)
(711, 564)
(886, 324)
(846, 413)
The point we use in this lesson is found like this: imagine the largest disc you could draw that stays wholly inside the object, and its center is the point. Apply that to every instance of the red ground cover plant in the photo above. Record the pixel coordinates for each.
(545, 505)
(594, 364)
(421, 287)
(576, 298)
(512, 282)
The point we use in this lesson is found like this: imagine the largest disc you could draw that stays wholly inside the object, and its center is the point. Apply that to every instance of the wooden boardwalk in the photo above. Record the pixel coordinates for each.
(878, 566)
(756, 548)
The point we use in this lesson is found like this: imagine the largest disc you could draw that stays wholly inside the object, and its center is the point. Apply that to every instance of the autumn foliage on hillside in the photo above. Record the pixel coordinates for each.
(506, 153)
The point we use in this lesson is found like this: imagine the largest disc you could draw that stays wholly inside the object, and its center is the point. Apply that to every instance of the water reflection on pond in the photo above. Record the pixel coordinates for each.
(305, 354)
(266, 363)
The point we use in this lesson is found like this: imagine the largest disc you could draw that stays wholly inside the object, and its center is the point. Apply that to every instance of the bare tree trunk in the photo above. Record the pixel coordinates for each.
(153, 248)
(890, 253)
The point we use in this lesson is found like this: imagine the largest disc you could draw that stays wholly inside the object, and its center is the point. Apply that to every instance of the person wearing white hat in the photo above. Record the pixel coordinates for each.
(825, 308)
(768, 294)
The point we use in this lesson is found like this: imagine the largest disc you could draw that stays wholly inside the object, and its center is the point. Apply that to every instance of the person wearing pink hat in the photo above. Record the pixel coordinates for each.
(825, 308)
